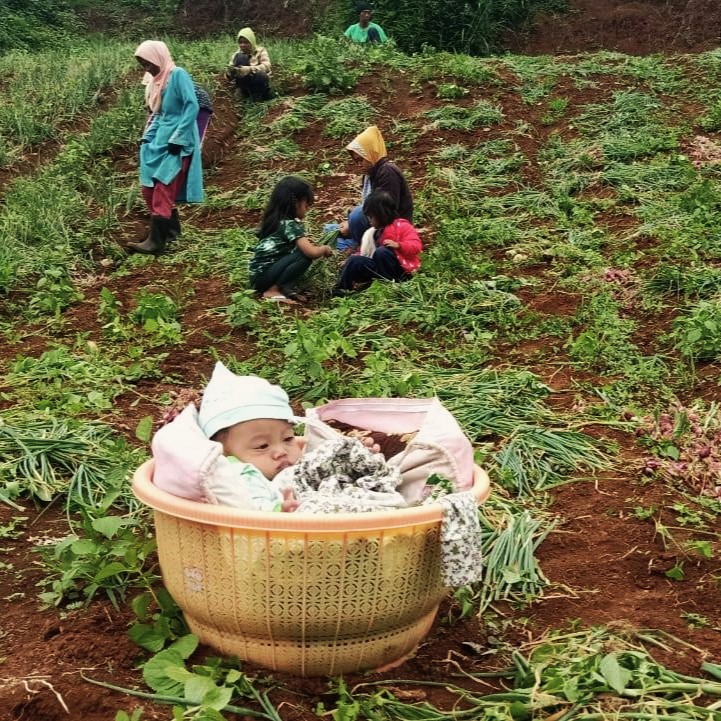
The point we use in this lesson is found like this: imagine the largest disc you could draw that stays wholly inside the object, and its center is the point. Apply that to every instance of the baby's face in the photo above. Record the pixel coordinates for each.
(269, 444)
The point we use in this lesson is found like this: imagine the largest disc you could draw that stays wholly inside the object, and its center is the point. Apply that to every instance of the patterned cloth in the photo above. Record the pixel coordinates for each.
(342, 475)
(203, 97)
(461, 560)
(262, 495)
(276, 246)
(369, 145)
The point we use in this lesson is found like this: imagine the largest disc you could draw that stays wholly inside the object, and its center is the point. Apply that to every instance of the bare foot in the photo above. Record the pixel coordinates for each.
(277, 296)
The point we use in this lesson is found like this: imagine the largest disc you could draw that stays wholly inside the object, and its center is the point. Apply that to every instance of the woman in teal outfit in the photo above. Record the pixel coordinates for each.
(170, 159)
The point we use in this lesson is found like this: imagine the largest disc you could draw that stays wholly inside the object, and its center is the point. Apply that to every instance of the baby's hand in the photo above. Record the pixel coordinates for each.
(391, 244)
(371, 445)
(290, 502)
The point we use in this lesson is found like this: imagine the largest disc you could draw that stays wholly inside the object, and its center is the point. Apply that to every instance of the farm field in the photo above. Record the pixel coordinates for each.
(567, 312)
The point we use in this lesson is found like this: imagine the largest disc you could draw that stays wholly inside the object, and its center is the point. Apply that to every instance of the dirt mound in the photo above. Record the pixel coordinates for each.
(636, 28)
(291, 18)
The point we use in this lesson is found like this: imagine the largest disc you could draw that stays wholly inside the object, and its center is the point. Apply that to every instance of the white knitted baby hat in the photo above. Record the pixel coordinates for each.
(229, 399)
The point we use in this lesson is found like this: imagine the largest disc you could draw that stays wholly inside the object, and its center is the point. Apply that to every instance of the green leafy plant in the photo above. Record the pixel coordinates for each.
(110, 316)
(588, 672)
(244, 311)
(473, 28)
(43, 457)
(710, 121)
(605, 342)
(323, 68)
(53, 293)
(299, 112)
(702, 548)
(347, 116)
(697, 334)
(554, 111)
(534, 459)
(160, 620)
(136, 715)
(13, 529)
(157, 314)
(510, 568)
(454, 117)
(450, 91)
(75, 381)
(696, 620)
(205, 690)
(112, 555)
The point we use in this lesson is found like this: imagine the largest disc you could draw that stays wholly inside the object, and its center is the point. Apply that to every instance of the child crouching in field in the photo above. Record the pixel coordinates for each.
(284, 252)
(233, 450)
(390, 249)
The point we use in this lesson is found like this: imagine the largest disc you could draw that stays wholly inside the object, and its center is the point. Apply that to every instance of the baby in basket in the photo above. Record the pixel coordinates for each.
(241, 450)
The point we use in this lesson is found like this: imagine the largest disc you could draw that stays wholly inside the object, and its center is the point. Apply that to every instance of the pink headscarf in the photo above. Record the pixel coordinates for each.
(156, 52)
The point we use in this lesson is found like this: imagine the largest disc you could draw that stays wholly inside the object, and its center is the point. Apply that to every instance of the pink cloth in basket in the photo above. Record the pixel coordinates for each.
(439, 445)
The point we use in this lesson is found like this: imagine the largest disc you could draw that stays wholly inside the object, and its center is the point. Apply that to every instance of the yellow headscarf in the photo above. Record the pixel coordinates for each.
(369, 145)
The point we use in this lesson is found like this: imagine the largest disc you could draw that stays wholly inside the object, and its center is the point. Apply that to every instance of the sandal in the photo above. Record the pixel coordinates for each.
(297, 297)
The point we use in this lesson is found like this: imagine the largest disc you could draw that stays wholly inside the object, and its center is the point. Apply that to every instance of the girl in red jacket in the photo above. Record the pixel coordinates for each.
(390, 249)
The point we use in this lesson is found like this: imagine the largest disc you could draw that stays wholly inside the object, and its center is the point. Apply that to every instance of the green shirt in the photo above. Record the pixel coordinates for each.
(276, 246)
(357, 34)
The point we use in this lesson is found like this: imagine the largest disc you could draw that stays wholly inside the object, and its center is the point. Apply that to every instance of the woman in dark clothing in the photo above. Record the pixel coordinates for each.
(369, 150)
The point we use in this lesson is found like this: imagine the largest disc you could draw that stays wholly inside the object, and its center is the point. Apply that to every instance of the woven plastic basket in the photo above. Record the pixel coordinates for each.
(304, 594)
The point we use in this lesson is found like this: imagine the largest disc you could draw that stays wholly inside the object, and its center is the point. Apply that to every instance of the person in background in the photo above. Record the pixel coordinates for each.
(170, 160)
(284, 252)
(249, 68)
(364, 31)
(369, 150)
(390, 249)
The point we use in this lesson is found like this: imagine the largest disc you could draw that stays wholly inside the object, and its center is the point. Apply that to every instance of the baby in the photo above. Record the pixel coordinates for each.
(253, 421)
(241, 450)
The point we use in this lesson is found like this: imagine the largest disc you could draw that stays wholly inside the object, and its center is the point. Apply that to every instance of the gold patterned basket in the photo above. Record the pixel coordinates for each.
(304, 594)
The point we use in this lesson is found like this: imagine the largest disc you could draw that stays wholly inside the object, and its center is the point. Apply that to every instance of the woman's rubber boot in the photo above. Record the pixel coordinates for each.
(174, 225)
(154, 244)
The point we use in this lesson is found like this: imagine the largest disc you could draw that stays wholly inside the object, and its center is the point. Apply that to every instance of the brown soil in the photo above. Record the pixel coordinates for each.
(48, 654)
(606, 566)
(635, 28)
(287, 19)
